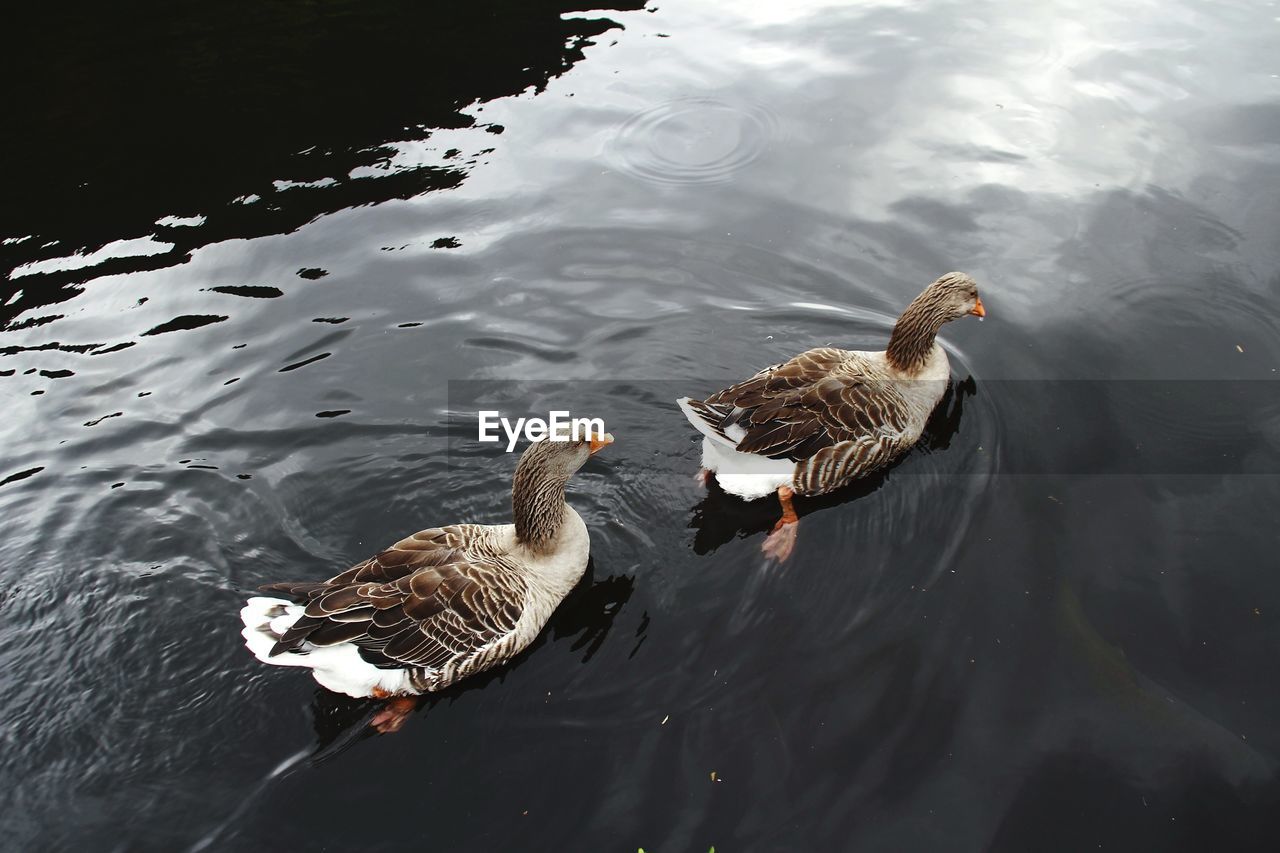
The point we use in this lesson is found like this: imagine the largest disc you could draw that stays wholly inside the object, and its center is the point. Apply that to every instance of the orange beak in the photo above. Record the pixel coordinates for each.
(598, 444)
(978, 310)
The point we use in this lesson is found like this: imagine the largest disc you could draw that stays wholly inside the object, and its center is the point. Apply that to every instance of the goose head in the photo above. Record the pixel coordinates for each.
(557, 461)
(956, 295)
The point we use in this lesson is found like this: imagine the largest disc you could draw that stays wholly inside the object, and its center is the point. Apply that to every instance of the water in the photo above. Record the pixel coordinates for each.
(261, 258)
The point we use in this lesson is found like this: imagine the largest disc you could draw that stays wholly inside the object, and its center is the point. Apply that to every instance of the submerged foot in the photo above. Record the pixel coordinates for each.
(394, 714)
(780, 542)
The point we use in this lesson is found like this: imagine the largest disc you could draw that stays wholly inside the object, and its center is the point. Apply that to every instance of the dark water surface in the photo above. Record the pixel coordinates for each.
(259, 256)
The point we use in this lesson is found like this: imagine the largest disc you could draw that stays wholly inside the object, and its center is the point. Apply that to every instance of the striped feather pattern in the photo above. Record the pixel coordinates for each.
(439, 603)
(835, 412)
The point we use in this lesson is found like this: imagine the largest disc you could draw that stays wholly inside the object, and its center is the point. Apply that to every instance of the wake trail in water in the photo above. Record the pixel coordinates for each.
(281, 770)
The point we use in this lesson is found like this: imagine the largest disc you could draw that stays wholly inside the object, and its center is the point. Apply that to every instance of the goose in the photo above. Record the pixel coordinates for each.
(828, 416)
(439, 605)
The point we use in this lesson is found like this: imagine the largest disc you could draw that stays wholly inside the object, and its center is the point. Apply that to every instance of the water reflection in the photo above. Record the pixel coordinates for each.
(959, 658)
(202, 124)
(692, 140)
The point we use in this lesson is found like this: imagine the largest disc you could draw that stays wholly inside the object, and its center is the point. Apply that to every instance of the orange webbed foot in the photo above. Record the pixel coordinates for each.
(394, 714)
(780, 542)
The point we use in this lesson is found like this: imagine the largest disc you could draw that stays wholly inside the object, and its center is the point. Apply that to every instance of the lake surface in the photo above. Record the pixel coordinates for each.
(263, 262)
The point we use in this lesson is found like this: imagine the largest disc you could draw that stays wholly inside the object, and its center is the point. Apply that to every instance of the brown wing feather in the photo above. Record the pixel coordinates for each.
(422, 602)
(834, 466)
(822, 409)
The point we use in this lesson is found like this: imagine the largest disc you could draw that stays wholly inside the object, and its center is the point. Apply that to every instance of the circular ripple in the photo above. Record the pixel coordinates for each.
(692, 141)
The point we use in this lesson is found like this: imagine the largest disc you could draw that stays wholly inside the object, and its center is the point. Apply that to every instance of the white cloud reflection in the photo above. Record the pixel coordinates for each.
(134, 248)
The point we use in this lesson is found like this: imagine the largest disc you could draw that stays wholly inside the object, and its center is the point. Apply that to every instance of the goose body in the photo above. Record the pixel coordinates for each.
(441, 604)
(828, 416)
(815, 423)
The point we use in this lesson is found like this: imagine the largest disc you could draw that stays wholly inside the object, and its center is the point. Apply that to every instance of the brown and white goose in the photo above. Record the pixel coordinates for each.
(828, 416)
(440, 605)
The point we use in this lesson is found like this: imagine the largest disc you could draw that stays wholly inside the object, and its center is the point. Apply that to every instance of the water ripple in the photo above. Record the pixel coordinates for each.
(692, 140)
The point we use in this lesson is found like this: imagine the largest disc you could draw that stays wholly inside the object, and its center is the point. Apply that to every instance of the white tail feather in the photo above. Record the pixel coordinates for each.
(747, 475)
(340, 668)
